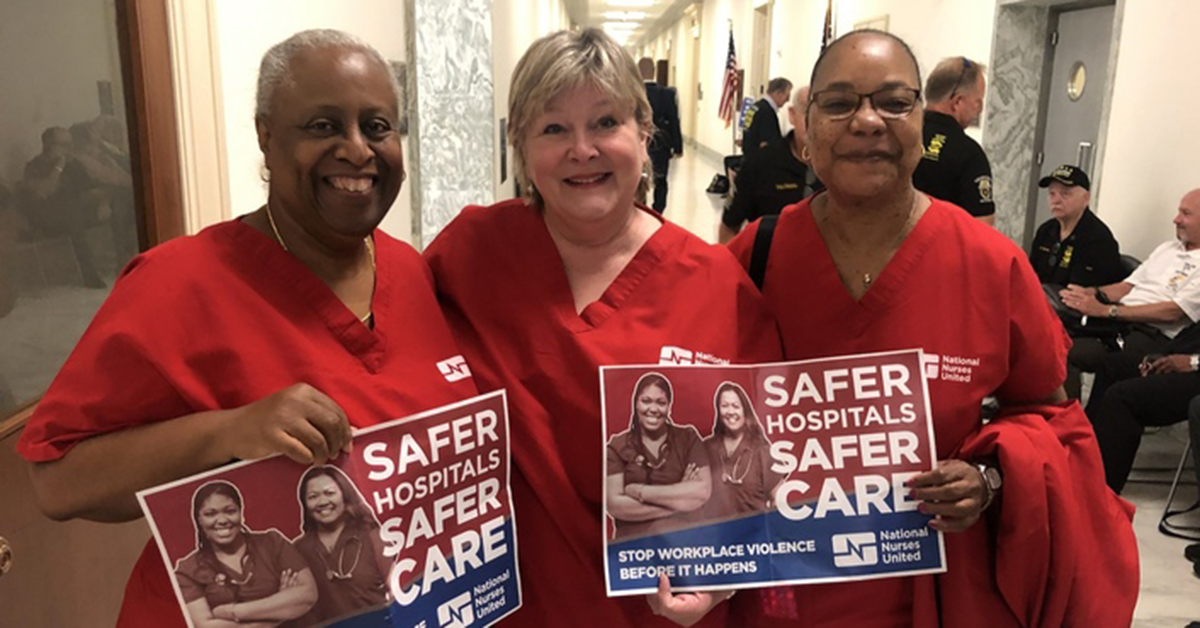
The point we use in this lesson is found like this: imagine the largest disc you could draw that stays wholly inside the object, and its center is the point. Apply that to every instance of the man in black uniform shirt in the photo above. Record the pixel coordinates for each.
(667, 139)
(762, 121)
(1074, 247)
(774, 178)
(955, 167)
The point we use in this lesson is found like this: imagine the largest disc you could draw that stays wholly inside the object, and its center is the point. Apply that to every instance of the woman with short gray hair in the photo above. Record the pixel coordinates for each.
(271, 334)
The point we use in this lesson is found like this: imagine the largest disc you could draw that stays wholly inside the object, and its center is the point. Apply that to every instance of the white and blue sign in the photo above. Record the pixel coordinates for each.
(726, 477)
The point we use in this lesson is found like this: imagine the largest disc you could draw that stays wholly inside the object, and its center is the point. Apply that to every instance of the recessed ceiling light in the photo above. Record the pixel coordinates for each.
(625, 15)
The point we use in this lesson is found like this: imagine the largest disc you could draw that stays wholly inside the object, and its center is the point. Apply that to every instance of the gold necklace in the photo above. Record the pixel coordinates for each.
(364, 319)
(867, 279)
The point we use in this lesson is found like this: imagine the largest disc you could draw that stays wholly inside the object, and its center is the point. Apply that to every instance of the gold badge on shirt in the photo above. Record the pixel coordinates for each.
(985, 188)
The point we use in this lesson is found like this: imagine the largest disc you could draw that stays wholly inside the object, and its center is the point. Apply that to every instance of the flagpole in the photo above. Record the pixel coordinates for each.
(733, 147)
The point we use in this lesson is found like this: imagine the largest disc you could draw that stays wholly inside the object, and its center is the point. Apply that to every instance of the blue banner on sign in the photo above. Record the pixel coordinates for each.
(770, 548)
(481, 597)
(727, 476)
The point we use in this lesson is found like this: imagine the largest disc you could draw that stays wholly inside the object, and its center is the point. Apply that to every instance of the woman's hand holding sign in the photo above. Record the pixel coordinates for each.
(684, 609)
(954, 492)
(299, 421)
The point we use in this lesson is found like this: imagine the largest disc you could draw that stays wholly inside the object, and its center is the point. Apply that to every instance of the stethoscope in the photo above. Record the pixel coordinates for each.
(342, 573)
(225, 579)
(734, 477)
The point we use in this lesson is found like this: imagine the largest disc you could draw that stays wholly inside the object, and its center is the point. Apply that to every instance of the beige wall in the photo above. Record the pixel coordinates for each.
(515, 25)
(1153, 129)
(244, 30)
(962, 28)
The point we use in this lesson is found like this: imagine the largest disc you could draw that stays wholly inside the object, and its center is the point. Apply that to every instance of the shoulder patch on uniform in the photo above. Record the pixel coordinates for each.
(985, 188)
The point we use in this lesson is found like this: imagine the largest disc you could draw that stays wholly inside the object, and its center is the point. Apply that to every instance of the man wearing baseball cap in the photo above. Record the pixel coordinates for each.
(1075, 246)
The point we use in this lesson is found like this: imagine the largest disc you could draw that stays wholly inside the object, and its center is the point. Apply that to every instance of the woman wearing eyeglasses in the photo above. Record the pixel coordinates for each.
(239, 577)
(740, 457)
(871, 265)
(658, 472)
(341, 544)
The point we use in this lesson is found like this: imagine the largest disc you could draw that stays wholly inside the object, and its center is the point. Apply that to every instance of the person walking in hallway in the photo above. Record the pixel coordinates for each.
(666, 142)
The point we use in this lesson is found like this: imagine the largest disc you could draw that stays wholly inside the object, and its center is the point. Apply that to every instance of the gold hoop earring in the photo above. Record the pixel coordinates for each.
(264, 173)
(804, 154)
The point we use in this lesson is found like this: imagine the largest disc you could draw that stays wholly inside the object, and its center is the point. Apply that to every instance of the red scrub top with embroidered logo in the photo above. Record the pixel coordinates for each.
(965, 294)
(505, 292)
(222, 319)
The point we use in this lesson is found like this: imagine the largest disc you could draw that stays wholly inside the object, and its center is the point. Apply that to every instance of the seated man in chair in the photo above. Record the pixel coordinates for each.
(1131, 394)
(1075, 246)
(1159, 299)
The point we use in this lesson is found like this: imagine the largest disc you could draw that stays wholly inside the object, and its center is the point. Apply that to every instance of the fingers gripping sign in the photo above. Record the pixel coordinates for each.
(299, 421)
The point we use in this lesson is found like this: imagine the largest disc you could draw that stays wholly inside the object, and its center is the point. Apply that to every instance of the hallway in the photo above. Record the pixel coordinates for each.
(687, 203)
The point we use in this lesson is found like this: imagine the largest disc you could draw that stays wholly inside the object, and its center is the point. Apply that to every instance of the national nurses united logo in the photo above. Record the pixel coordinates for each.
(454, 369)
(858, 549)
(457, 612)
(949, 368)
(673, 355)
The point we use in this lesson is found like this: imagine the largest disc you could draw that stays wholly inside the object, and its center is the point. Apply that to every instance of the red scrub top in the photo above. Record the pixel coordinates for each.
(743, 481)
(268, 555)
(627, 457)
(505, 291)
(224, 318)
(965, 294)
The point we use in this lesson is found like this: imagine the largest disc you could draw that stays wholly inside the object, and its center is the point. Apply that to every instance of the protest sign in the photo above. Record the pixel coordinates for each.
(413, 528)
(739, 476)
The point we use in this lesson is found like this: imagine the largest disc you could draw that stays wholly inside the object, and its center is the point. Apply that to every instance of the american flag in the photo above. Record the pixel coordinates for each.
(729, 90)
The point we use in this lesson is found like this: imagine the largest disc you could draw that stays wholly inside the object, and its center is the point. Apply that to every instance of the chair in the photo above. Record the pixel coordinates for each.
(1165, 525)
(1129, 264)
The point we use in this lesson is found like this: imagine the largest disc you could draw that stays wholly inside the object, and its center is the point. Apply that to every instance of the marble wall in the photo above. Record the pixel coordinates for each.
(1018, 57)
(450, 119)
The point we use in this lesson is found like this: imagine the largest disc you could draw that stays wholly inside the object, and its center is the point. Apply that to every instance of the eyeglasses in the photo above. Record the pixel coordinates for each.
(966, 65)
(892, 103)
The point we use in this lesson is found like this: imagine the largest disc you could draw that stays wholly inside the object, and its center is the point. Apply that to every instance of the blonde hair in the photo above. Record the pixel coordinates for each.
(563, 61)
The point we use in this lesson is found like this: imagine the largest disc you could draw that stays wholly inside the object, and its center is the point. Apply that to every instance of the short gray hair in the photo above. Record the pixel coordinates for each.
(779, 84)
(954, 75)
(275, 69)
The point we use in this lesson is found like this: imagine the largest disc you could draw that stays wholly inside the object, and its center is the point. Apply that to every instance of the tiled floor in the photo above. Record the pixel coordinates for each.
(1170, 595)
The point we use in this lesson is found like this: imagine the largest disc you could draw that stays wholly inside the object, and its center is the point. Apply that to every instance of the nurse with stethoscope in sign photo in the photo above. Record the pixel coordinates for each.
(740, 455)
(340, 541)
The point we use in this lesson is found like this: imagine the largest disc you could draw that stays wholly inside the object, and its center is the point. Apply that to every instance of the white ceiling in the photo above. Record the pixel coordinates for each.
(630, 22)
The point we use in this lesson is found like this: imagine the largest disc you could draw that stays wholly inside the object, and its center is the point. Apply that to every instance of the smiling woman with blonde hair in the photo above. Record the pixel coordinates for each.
(545, 289)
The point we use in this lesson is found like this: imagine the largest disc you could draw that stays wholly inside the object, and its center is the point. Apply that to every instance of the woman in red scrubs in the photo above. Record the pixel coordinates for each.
(236, 575)
(545, 289)
(341, 544)
(658, 472)
(886, 267)
(740, 455)
(275, 333)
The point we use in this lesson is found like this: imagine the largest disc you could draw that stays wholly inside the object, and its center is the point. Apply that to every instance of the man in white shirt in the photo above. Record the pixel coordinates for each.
(1160, 298)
